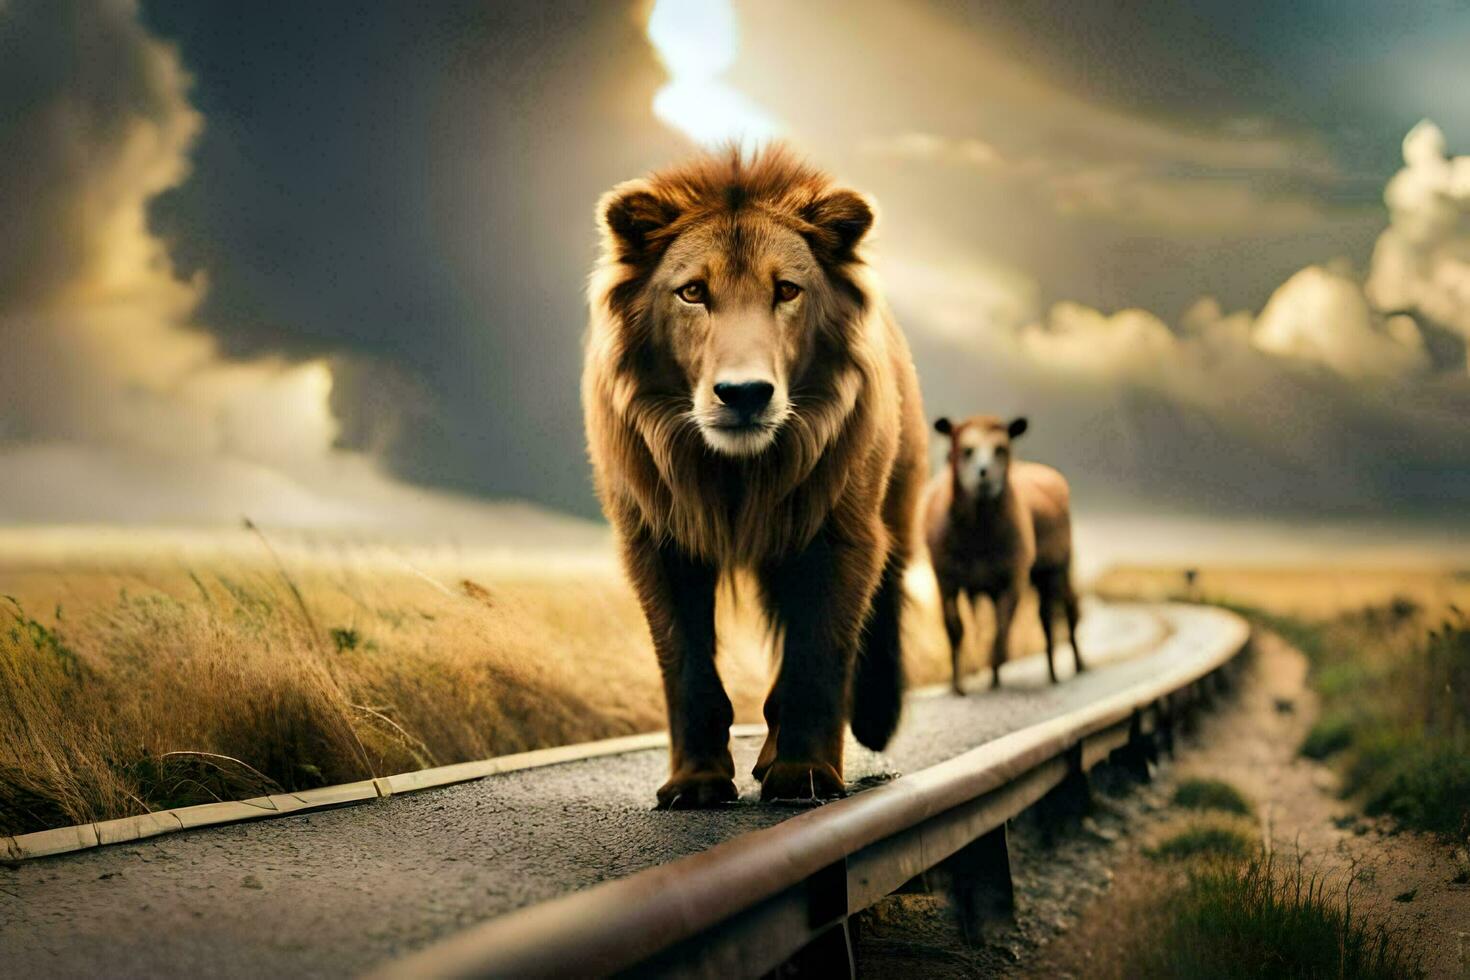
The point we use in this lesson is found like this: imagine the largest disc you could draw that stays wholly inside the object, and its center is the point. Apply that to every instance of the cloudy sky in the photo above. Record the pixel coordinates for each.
(325, 262)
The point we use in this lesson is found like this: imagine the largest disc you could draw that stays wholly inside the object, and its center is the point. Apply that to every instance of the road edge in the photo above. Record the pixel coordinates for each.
(123, 830)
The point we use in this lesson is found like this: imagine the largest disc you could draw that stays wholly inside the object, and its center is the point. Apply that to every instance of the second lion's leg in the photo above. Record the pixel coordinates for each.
(954, 628)
(677, 592)
(820, 599)
(1069, 601)
(1046, 607)
(1005, 609)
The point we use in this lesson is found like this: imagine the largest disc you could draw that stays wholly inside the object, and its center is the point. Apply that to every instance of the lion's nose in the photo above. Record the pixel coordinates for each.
(745, 397)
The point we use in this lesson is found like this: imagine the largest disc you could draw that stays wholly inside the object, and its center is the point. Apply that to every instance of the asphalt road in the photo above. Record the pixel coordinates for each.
(336, 892)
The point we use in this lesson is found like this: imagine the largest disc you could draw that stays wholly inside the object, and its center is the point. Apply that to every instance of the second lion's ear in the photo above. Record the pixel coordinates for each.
(1017, 427)
(631, 216)
(838, 222)
(942, 426)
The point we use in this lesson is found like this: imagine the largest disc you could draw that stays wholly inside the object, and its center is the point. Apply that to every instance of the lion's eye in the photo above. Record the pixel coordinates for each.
(692, 292)
(969, 452)
(787, 291)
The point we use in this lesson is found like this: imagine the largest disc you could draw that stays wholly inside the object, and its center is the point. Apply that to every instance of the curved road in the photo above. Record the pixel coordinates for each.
(337, 892)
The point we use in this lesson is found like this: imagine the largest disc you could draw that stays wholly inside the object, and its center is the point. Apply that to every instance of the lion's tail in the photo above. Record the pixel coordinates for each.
(877, 683)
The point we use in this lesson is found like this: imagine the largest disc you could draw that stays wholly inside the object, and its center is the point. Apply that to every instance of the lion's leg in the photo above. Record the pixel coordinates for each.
(678, 597)
(877, 676)
(954, 628)
(820, 598)
(772, 711)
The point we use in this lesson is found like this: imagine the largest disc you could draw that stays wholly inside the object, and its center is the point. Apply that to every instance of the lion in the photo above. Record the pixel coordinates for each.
(751, 405)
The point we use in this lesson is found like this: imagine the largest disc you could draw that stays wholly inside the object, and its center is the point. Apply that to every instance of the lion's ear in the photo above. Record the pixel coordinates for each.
(631, 215)
(943, 426)
(838, 222)
(1018, 427)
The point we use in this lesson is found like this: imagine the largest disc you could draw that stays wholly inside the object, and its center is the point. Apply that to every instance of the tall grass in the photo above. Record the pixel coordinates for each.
(156, 677)
(136, 692)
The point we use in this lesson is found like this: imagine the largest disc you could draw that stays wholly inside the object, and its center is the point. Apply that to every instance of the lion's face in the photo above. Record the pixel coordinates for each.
(733, 302)
(728, 288)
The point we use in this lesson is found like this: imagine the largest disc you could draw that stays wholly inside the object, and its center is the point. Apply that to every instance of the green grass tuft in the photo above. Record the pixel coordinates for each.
(1329, 736)
(1211, 794)
(1207, 838)
(1246, 920)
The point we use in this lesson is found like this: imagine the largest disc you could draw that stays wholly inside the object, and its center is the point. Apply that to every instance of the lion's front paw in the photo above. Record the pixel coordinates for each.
(696, 789)
(787, 780)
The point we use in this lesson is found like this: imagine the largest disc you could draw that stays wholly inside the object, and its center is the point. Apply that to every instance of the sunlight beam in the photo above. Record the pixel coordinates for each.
(697, 41)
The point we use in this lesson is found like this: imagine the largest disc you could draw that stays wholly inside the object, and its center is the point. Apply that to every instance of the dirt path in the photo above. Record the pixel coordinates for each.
(1082, 896)
(1406, 880)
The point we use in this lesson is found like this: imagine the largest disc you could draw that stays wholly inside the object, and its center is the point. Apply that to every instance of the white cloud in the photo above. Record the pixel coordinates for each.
(1319, 315)
(1318, 318)
(964, 301)
(928, 147)
(1079, 339)
(1133, 185)
(1209, 323)
(1422, 261)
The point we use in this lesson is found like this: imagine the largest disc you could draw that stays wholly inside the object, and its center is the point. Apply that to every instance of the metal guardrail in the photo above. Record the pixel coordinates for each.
(757, 901)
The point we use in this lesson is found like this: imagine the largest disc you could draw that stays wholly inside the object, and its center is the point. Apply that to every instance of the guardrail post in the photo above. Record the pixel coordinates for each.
(829, 954)
(1198, 699)
(1167, 709)
(1069, 800)
(1134, 755)
(1153, 740)
(980, 885)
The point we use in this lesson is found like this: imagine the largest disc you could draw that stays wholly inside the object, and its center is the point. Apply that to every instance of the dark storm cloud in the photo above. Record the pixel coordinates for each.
(413, 184)
(114, 403)
(73, 98)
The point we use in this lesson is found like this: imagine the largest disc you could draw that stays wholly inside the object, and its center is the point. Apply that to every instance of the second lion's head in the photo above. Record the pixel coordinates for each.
(731, 289)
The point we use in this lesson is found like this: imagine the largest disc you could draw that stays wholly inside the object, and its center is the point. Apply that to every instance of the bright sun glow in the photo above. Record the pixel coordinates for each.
(697, 41)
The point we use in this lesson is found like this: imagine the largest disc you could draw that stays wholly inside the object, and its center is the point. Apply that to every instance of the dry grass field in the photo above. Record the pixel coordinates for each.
(142, 670)
(1308, 592)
